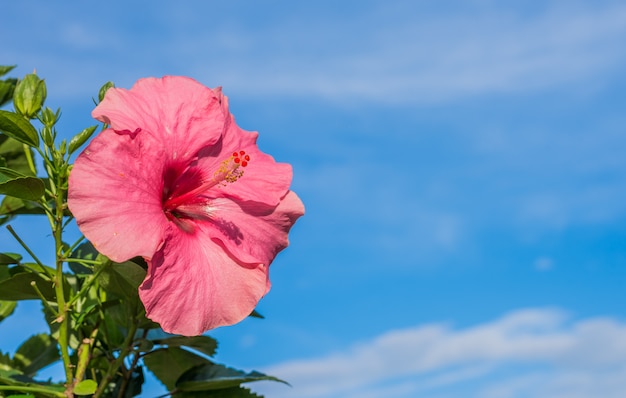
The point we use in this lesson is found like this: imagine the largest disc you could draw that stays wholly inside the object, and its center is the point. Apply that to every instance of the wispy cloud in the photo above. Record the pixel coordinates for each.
(391, 52)
(527, 353)
(402, 54)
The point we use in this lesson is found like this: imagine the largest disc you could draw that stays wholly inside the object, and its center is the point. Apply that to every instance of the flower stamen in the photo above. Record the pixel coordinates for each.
(230, 169)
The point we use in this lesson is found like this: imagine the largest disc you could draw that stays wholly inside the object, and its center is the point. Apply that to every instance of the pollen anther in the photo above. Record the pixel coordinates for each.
(229, 170)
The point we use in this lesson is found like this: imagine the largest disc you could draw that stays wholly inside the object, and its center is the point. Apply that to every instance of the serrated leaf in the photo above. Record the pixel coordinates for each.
(6, 309)
(9, 258)
(35, 354)
(204, 344)
(17, 127)
(168, 364)
(27, 188)
(79, 139)
(86, 387)
(213, 376)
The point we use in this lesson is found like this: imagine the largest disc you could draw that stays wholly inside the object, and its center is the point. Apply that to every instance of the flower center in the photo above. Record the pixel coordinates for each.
(182, 194)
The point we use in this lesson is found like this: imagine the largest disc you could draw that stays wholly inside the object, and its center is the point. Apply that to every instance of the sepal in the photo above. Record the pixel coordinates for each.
(29, 96)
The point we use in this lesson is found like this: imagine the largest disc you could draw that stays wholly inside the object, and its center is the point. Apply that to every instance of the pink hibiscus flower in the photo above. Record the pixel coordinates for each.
(176, 181)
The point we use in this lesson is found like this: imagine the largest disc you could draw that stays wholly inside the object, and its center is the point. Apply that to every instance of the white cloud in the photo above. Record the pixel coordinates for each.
(527, 353)
(402, 55)
(391, 52)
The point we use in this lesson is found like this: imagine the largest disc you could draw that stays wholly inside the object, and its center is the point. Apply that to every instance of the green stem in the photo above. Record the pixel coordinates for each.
(44, 301)
(81, 260)
(75, 244)
(30, 252)
(63, 310)
(29, 159)
(129, 374)
(115, 365)
(86, 286)
(42, 390)
(84, 355)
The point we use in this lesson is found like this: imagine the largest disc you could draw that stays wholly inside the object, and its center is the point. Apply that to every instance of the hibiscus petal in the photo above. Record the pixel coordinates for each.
(264, 180)
(250, 231)
(177, 111)
(193, 285)
(115, 195)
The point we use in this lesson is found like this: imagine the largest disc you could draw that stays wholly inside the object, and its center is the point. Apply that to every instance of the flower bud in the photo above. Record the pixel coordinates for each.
(49, 117)
(29, 96)
(47, 136)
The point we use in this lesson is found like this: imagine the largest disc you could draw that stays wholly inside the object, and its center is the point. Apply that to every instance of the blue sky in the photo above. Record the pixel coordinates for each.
(462, 164)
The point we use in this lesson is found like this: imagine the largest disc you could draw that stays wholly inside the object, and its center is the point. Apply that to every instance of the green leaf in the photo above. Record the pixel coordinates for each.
(17, 127)
(204, 344)
(233, 392)
(35, 354)
(20, 186)
(13, 377)
(213, 376)
(4, 69)
(103, 90)
(10, 207)
(255, 314)
(168, 364)
(84, 251)
(16, 284)
(6, 363)
(86, 387)
(121, 278)
(29, 95)
(9, 258)
(7, 87)
(79, 139)
(14, 154)
(6, 309)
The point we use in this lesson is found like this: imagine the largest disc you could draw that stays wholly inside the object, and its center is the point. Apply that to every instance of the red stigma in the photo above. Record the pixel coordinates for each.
(241, 158)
